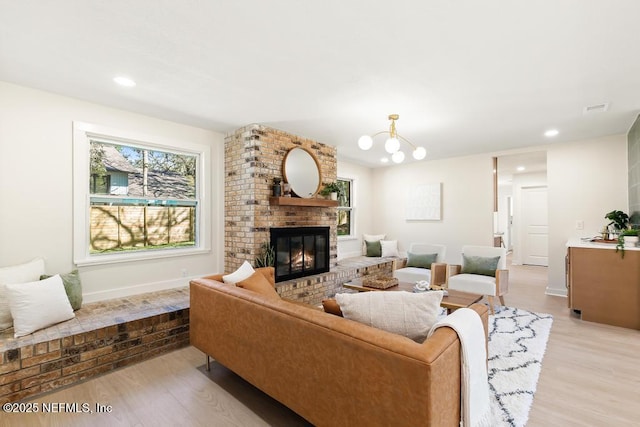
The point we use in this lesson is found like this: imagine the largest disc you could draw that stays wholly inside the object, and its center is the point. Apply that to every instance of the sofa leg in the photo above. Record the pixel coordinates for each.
(502, 300)
(208, 366)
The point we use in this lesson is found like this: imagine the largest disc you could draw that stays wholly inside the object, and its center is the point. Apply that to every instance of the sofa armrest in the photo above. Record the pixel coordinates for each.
(216, 277)
(303, 304)
(438, 274)
(502, 282)
(268, 272)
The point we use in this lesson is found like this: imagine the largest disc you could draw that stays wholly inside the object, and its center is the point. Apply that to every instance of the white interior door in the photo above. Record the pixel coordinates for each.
(535, 245)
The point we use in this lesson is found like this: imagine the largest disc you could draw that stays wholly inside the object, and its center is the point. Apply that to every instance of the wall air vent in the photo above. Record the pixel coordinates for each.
(596, 108)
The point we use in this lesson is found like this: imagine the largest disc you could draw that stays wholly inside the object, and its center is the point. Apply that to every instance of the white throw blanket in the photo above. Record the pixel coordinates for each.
(474, 388)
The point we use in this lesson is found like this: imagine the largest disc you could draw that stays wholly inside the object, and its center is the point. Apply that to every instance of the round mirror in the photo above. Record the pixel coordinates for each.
(302, 172)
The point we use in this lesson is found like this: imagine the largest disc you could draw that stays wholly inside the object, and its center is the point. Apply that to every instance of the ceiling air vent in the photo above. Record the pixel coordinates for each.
(596, 108)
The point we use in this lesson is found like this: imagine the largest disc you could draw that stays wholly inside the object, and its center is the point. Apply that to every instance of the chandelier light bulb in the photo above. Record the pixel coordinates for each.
(419, 153)
(365, 142)
(397, 157)
(392, 145)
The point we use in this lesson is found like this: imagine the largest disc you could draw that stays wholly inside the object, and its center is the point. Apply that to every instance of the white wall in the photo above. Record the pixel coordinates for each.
(586, 180)
(36, 191)
(467, 203)
(363, 207)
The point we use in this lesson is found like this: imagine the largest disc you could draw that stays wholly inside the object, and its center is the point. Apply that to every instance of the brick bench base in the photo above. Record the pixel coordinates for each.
(313, 289)
(102, 337)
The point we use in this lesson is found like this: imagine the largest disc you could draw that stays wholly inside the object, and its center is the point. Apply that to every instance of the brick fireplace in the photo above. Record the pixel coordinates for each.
(253, 157)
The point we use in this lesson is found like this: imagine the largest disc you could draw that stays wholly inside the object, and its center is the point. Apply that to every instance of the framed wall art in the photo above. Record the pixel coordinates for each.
(424, 202)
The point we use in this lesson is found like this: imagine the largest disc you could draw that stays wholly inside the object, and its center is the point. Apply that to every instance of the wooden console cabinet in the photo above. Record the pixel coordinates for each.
(603, 286)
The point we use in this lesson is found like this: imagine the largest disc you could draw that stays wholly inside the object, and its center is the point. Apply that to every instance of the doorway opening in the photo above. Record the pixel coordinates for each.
(521, 219)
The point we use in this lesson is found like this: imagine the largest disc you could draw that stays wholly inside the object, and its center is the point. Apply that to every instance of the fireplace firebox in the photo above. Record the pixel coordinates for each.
(300, 251)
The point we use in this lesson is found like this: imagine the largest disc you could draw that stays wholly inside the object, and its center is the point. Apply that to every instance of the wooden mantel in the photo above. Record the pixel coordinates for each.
(299, 201)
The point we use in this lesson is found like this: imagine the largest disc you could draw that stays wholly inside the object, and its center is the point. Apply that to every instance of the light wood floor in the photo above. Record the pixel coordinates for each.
(590, 377)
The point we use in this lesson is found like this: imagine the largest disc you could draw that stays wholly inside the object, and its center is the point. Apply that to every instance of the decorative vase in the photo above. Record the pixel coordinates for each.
(334, 196)
(277, 190)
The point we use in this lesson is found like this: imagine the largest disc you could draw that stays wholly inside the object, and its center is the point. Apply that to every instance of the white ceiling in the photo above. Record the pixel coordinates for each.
(465, 76)
(529, 162)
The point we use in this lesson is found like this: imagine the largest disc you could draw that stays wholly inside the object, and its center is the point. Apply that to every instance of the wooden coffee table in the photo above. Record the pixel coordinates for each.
(453, 301)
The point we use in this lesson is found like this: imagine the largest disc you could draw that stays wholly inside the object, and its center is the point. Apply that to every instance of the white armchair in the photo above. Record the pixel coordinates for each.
(414, 269)
(483, 271)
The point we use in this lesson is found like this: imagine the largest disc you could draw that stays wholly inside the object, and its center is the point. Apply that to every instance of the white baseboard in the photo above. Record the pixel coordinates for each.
(555, 292)
(135, 290)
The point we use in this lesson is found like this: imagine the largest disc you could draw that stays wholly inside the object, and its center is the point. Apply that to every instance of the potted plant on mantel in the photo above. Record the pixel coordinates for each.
(331, 189)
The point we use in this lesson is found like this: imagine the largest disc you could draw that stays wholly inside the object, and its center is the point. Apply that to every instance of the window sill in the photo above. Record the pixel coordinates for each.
(142, 256)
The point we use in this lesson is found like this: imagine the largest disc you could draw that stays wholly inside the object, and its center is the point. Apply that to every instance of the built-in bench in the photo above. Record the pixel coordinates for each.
(103, 336)
(111, 334)
(313, 289)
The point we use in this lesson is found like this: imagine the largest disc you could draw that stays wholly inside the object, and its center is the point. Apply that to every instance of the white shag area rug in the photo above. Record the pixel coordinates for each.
(517, 342)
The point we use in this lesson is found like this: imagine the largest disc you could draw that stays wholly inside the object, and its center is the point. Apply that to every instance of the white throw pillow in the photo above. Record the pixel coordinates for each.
(21, 273)
(389, 248)
(244, 272)
(403, 313)
(39, 304)
(370, 238)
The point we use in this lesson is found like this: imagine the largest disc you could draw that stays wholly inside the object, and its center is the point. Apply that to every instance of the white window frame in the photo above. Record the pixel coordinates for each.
(83, 134)
(352, 208)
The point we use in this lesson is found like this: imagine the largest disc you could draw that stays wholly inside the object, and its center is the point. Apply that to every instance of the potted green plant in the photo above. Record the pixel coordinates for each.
(266, 257)
(331, 189)
(619, 220)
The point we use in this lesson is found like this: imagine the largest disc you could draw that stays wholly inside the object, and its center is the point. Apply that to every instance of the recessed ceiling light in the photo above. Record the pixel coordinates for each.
(124, 81)
(520, 168)
(551, 133)
(384, 160)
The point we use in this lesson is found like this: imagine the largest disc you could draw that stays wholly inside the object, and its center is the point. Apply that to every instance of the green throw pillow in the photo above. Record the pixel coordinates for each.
(421, 260)
(480, 265)
(374, 248)
(72, 286)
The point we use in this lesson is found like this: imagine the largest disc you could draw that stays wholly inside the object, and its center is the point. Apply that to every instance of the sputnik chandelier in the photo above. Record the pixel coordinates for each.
(392, 144)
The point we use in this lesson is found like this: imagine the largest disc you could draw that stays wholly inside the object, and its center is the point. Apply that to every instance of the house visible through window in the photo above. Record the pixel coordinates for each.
(141, 198)
(345, 207)
(135, 199)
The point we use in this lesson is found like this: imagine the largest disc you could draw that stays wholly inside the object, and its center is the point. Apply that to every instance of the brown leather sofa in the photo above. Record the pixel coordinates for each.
(328, 369)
